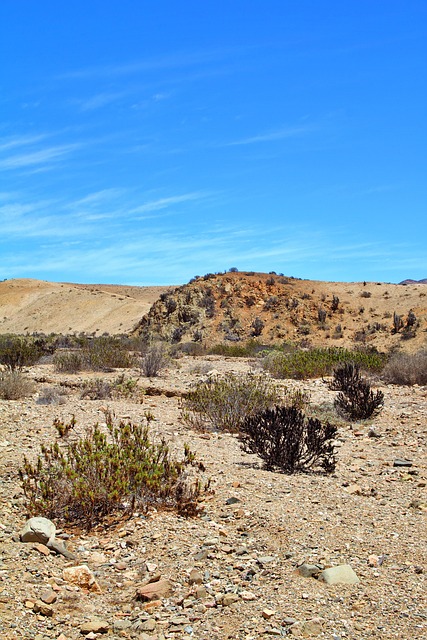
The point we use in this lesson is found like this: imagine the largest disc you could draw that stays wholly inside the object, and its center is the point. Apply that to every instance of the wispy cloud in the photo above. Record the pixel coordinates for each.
(35, 158)
(20, 141)
(100, 100)
(172, 61)
(163, 203)
(269, 136)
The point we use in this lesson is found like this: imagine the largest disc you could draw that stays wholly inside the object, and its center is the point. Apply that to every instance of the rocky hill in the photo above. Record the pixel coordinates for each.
(235, 307)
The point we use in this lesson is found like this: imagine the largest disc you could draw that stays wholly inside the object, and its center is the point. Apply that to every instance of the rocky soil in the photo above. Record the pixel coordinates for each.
(233, 572)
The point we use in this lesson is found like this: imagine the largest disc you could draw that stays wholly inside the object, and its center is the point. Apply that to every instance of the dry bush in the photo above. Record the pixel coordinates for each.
(52, 395)
(14, 385)
(286, 440)
(153, 360)
(358, 401)
(96, 390)
(406, 369)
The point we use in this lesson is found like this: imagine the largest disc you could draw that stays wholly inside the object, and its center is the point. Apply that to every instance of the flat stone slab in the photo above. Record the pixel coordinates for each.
(341, 574)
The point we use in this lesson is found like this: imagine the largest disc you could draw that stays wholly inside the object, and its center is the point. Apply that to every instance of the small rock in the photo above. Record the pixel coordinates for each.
(48, 596)
(94, 626)
(195, 577)
(341, 574)
(266, 560)
(312, 627)
(400, 462)
(373, 561)
(41, 548)
(248, 595)
(268, 613)
(154, 590)
(43, 608)
(229, 598)
(148, 625)
(232, 500)
(122, 625)
(308, 570)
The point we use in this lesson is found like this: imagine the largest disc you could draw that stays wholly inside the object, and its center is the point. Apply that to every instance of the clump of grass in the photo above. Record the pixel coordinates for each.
(288, 441)
(223, 402)
(406, 369)
(315, 363)
(14, 385)
(109, 472)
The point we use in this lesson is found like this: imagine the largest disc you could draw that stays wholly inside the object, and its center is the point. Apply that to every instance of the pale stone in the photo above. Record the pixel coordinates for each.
(95, 626)
(341, 574)
(38, 530)
(229, 598)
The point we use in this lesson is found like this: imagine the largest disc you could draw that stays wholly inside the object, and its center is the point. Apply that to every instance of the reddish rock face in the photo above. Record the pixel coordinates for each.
(154, 590)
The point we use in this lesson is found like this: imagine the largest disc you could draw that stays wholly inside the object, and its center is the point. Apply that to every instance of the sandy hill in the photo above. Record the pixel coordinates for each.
(28, 306)
(234, 307)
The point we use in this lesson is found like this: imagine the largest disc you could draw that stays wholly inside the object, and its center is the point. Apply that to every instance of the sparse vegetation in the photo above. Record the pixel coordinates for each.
(14, 385)
(68, 362)
(17, 352)
(222, 403)
(288, 441)
(108, 472)
(314, 363)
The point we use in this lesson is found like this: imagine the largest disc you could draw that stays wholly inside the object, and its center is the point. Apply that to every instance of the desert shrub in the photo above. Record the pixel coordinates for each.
(321, 315)
(153, 360)
(106, 353)
(286, 440)
(108, 472)
(51, 395)
(406, 369)
(223, 402)
(358, 401)
(97, 389)
(345, 376)
(314, 363)
(335, 303)
(271, 303)
(14, 385)
(270, 281)
(17, 352)
(257, 326)
(365, 294)
(68, 362)
(125, 387)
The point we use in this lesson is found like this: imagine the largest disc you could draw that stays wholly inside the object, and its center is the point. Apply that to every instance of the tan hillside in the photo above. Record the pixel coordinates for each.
(234, 307)
(28, 306)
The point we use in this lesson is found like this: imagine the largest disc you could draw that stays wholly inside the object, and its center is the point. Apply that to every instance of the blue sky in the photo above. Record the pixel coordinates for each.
(149, 142)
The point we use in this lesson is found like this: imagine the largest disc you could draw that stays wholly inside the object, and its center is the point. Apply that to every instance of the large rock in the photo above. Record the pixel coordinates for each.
(341, 574)
(38, 530)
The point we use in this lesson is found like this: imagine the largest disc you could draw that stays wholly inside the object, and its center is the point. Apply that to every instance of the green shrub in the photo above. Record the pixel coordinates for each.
(315, 363)
(106, 353)
(14, 385)
(223, 402)
(17, 352)
(68, 362)
(406, 369)
(284, 439)
(116, 471)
